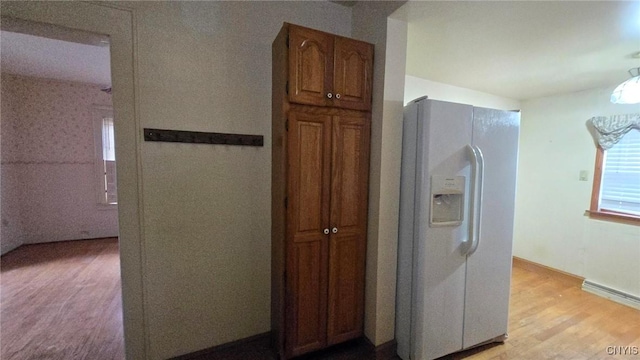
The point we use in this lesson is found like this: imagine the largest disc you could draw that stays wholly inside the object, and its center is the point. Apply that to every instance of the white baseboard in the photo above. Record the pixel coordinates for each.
(611, 294)
(70, 236)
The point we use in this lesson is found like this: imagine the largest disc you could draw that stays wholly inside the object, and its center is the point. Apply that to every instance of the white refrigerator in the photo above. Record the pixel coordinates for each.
(458, 183)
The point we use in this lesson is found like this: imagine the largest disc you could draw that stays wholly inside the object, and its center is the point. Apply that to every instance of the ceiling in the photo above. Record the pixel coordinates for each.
(514, 49)
(523, 49)
(35, 56)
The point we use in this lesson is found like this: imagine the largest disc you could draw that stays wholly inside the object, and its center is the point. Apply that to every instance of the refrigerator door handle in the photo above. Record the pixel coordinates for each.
(472, 194)
(477, 175)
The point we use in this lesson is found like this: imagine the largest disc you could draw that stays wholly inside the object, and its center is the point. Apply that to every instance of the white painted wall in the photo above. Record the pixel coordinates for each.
(371, 23)
(206, 66)
(550, 225)
(416, 87)
(48, 161)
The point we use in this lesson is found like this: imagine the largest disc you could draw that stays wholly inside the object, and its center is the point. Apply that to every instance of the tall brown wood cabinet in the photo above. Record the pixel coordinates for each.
(321, 129)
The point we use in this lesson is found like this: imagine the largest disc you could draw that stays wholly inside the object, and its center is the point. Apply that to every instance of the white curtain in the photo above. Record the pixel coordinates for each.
(609, 130)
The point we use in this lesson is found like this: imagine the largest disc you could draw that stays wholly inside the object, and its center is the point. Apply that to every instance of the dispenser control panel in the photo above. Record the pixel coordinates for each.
(447, 200)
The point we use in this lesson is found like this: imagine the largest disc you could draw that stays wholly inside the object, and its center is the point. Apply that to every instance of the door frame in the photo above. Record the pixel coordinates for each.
(119, 23)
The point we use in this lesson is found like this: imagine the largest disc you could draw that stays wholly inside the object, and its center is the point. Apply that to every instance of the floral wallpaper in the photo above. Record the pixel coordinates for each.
(54, 125)
(49, 185)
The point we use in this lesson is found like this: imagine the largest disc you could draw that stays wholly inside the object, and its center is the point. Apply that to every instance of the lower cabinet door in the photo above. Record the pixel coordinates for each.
(309, 158)
(348, 219)
(328, 166)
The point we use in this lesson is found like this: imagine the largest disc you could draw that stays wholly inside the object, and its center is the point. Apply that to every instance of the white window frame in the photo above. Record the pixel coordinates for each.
(615, 206)
(99, 114)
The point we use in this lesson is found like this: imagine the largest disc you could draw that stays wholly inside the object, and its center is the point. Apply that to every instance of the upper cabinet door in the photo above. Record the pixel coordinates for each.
(310, 66)
(352, 74)
(329, 70)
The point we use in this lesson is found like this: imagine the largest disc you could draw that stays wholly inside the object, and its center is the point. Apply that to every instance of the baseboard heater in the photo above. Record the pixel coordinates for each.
(612, 294)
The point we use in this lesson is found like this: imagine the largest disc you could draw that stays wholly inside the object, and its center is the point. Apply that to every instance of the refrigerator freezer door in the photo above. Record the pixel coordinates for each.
(447, 200)
(444, 130)
(406, 230)
(488, 272)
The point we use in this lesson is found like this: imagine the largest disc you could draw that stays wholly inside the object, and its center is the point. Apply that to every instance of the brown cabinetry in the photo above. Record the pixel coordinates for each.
(319, 193)
(329, 70)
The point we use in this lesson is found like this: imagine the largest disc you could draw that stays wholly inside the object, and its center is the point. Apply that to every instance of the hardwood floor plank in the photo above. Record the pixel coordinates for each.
(62, 301)
(552, 318)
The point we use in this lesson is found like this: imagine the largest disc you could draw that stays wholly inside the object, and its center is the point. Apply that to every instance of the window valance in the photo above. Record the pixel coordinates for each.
(609, 130)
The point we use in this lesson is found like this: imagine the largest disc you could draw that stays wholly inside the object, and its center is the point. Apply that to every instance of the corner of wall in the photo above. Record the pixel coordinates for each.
(11, 229)
(555, 146)
(370, 23)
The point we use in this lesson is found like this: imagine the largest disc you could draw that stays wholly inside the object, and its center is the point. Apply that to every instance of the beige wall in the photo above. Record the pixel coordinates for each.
(206, 66)
(550, 225)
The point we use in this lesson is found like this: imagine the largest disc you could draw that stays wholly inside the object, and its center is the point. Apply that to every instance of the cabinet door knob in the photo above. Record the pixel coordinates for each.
(334, 230)
(329, 95)
(326, 231)
(337, 96)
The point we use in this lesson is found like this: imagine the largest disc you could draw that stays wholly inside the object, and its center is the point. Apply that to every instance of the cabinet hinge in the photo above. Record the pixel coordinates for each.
(286, 125)
(286, 88)
(286, 202)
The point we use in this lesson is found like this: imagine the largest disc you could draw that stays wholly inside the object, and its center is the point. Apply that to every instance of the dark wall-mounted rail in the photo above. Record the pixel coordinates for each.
(197, 137)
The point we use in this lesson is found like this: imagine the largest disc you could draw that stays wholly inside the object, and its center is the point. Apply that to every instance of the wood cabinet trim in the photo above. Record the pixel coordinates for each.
(332, 111)
(279, 107)
(287, 25)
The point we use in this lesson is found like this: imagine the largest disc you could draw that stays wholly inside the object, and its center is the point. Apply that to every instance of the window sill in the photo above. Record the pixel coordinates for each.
(614, 217)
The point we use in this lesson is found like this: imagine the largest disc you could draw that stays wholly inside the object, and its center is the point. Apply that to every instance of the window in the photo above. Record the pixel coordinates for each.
(105, 156)
(616, 186)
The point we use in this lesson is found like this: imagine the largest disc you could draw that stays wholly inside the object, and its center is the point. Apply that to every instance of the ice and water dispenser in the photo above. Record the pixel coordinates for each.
(447, 200)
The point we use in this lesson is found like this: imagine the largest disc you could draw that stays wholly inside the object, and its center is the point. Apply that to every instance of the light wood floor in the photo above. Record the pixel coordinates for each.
(552, 318)
(62, 301)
